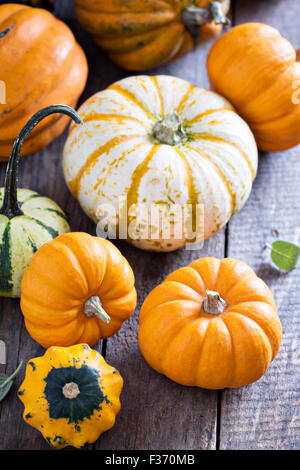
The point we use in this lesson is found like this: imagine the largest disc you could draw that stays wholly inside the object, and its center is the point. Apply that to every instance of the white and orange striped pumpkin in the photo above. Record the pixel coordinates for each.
(160, 141)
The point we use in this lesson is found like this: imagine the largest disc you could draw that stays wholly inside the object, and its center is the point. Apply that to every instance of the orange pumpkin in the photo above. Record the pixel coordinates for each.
(258, 71)
(77, 288)
(140, 34)
(212, 324)
(41, 64)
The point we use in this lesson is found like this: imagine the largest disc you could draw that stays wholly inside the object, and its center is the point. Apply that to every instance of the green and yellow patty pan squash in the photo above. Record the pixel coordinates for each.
(71, 395)
(27, 219)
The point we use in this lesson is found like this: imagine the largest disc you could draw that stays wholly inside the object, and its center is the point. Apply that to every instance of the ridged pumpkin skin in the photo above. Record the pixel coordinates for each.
(22, 236)
(63, 417)
(62, 276)
(257, 70)
(141, 34)
(41, 64)
(192, 347)
(115, 154)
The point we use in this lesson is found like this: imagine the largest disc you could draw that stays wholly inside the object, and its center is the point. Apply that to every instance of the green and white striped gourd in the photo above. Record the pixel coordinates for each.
(27, 219)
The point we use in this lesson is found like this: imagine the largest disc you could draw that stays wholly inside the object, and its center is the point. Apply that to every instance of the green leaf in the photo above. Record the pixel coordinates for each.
(6, 382)
(284, 254)
(4, 389)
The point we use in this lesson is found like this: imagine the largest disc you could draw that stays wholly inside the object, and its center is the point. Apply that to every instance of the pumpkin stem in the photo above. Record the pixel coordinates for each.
(11, 207)
(213, 304)
(193, 17)
(93, 307)
(169, 130)
(298, 55)
(71, 390)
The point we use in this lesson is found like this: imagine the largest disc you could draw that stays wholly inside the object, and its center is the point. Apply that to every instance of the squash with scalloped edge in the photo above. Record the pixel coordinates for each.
(71, 395)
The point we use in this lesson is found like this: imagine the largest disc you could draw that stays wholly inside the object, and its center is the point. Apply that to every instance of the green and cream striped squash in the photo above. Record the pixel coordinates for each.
(160, 141)
(22, 236)
(27, 219)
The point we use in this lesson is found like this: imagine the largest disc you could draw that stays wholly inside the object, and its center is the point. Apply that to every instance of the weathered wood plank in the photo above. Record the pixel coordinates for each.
(266, 415)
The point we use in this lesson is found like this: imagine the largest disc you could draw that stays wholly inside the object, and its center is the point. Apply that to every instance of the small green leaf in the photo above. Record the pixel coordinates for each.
(6, 382)
(4, 389)
(284, 254)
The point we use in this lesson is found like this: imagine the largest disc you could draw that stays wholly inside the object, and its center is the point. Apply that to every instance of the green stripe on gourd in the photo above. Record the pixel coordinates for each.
(6, 275)
(27, 219)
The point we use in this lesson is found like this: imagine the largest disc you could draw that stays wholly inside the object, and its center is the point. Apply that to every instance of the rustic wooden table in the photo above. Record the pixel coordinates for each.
(156, 413)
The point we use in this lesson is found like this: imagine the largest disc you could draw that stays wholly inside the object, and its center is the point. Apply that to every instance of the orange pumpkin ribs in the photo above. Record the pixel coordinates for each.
(212, 324)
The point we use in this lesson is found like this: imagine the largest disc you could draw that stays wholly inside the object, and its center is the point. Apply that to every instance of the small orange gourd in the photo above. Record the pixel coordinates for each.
(258, 71)
(77, 289)
(212, 324)
(41, 64)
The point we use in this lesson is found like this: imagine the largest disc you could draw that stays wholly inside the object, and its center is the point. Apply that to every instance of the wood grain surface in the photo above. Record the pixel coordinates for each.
(156, 413)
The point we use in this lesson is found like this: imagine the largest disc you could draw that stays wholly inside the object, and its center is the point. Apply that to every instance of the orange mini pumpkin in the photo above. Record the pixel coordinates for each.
(258, 71)
(212, 324)
(41, 64)
(77, 289)
(140, 34)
